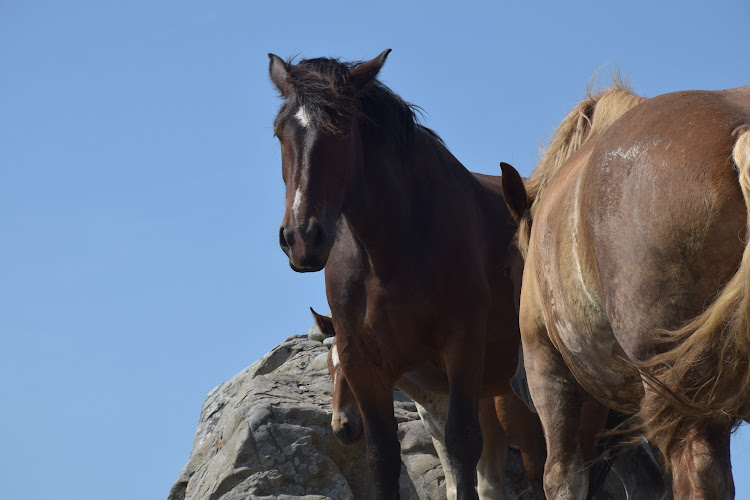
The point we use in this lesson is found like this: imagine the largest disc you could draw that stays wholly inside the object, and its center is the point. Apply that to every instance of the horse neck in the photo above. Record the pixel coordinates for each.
(398, 195)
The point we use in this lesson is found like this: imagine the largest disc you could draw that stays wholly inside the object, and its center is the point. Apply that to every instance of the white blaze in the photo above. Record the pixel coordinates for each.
(295, 206)
(305, 120)
(302, 116)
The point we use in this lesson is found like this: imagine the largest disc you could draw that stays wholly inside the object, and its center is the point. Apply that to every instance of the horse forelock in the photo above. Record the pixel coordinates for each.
(325, 96)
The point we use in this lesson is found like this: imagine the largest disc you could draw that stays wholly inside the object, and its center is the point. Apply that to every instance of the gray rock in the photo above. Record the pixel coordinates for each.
(266, 434)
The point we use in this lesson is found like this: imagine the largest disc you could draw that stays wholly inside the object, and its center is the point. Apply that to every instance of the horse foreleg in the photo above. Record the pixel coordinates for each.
(524, 428)
(375, 402)
(463, 436)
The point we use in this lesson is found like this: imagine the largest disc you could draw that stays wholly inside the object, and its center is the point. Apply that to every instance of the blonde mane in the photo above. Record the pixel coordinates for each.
(594, 114)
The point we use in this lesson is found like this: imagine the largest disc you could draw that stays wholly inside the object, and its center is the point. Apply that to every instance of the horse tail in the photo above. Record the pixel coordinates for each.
(704, 377)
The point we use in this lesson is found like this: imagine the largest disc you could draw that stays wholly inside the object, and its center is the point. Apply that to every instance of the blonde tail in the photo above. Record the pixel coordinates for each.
(705, 376)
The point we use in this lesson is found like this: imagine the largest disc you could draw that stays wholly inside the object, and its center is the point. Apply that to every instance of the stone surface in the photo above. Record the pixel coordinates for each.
(314, 333)
(266, 434)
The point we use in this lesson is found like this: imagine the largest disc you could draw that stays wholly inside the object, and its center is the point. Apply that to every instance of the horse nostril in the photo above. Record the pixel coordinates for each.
(316, 237)
(286, 238)
(346, 430)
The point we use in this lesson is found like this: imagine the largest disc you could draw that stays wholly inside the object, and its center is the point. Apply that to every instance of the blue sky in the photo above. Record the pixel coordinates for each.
(141, 191)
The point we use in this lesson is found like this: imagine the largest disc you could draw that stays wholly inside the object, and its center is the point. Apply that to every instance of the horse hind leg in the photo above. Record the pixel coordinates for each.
(701, 467)
(700, 461)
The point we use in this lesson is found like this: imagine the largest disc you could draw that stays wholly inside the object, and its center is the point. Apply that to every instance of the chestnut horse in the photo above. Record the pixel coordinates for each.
(414, 249)
(636, 287)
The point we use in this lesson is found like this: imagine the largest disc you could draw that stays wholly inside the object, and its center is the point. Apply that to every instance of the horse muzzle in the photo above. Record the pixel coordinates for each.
(307, 247)
(346, 428)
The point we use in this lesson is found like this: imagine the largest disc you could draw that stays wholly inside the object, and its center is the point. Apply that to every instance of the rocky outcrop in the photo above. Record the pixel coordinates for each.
(266, 434)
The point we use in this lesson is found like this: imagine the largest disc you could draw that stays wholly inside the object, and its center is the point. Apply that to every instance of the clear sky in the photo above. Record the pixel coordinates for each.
(141, 191)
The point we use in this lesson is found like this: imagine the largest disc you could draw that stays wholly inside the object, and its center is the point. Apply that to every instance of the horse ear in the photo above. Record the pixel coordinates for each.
(279, 72)
(325, 323)
(514, 192)
(366, 72)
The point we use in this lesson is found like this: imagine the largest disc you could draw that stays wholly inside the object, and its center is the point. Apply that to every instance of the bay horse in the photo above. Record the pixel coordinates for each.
(346, 423)
(414, 249)
(636, 288)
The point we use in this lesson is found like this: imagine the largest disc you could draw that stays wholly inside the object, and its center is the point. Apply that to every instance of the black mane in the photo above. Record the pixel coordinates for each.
(323, 87)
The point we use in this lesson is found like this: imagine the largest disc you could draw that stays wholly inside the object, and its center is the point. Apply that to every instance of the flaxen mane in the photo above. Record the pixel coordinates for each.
(594, 114)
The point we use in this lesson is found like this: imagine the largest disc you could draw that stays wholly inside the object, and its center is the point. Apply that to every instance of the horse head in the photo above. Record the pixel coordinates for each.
(321, 150)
